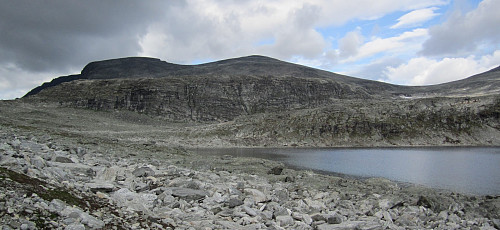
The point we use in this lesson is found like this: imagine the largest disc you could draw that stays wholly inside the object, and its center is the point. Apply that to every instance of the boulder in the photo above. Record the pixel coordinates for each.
(257, 195)
(284, 220)
(62, 159)
(100, 187)
(249, 211)
(276, 171)
(188, 194)
(38, 162)
(143, 172)
(348, 225)
(334, 219)
(233, 202)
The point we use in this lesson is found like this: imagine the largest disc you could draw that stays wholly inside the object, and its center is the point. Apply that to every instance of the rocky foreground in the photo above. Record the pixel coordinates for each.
(49, 183)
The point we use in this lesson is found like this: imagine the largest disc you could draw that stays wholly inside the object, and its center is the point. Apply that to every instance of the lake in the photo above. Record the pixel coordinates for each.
(471, 170)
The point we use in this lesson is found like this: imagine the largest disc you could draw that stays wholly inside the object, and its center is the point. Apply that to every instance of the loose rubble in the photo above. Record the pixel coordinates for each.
(46, 185)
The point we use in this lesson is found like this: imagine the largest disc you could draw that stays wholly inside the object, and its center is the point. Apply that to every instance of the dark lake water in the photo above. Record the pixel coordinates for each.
(472, 170)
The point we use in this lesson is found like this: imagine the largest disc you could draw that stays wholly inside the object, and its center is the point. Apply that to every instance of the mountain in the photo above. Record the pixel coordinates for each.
(219, 90)
(141, 67)
(258, 100)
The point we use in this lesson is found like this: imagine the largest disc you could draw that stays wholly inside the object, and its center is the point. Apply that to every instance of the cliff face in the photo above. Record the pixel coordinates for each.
(417, 122)
(252, 66)
(202, 99)
(273, 102)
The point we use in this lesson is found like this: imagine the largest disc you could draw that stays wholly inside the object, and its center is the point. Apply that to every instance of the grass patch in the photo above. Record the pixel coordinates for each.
(42, 189)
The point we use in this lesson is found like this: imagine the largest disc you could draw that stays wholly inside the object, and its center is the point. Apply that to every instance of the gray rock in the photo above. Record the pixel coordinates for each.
(71, 220)
(143, 172)
(109, 174)
(443, 215)
(91, 222)
(235, 191)
(496, 223)
(334, 219)
(76, 226)
(290, 179)
(385, 204)
(14, 224)
(318, 217)
(188, 194)
(369, 226)
(276, 171)
(38, 162)
(16, 144)
(141, 186)
(229, 225)
(24, 227)
(454, 218)
(224, 213)
(75, 168)
(80, 152)
(257, 195)
(100, 187)
(233, 202)
(348, 225)
(216, 210)
(284, 220)
(62, 159)
(387, 216)
(282, 195)
(302, 217)
(425, 202)
(281, 212)
(57, 205)
(249, 211)
(267, 215)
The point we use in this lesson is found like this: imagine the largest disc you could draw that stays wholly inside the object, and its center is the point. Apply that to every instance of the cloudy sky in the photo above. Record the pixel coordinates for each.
(410, 42)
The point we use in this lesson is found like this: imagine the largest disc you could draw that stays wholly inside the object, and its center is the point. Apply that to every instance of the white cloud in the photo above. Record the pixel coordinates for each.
(405, 42)
(337, 12)
(425, 71)
(373, 70)
(415, 18)
(350, 43)
(16, 82)
(213, 29)
(465, 33)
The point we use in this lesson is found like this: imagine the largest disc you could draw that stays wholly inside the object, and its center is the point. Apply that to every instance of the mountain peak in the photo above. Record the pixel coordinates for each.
(129, 67)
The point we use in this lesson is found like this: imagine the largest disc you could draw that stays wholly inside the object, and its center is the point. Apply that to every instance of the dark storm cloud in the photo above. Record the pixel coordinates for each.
(61, 34)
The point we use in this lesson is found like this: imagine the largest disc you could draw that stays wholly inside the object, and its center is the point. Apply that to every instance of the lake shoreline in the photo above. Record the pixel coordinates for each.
(175, 188)
(401, 165)
(137, 175)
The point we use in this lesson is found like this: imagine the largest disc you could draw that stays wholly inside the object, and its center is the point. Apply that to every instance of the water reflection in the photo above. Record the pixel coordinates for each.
(461, 169)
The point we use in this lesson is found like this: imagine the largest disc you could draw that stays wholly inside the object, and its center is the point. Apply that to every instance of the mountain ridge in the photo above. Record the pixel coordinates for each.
(147, 67)
(260, 101)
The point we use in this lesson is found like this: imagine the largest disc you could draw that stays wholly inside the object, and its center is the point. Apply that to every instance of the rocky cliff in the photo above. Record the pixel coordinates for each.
(215, 91)
(275, 102)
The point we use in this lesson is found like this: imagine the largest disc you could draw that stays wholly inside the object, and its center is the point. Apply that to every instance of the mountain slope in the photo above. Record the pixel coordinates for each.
(256, 101)
(480, 84)
(140, 67)
(219, 90)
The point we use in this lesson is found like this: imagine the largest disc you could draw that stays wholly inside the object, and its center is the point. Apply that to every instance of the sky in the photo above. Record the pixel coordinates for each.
(407, 42)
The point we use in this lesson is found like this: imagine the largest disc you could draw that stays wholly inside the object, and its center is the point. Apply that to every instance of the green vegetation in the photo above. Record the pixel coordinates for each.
(42, 189)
